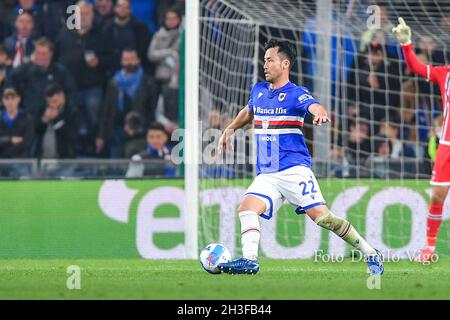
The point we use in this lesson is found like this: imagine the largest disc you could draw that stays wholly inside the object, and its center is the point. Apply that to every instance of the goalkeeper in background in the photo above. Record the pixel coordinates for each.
(440, 179)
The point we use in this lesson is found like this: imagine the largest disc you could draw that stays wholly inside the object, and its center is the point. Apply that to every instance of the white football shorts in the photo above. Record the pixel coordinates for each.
(296, 185)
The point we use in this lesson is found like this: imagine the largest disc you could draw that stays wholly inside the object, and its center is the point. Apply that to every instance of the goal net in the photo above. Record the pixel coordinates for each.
(373, 162)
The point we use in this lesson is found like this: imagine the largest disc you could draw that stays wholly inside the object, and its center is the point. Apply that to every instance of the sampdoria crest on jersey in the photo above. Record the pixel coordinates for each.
(305, 97)
(260, 94)
(281, 96)
(265, 124)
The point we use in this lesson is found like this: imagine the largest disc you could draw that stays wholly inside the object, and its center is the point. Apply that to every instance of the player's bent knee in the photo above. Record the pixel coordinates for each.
(317, 211)
(439, 194)
(252, 203)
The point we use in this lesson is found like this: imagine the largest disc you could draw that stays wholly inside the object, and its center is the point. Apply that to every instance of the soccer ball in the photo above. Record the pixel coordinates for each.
(212, 255)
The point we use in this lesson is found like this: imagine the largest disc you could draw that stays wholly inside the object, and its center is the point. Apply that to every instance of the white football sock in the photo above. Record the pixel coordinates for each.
(250, 234)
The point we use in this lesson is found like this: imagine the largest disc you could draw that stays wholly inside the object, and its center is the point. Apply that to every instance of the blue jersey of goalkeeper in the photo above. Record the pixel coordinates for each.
(278, 116)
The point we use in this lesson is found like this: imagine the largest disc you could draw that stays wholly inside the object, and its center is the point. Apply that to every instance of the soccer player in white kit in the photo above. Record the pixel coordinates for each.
(277, 108)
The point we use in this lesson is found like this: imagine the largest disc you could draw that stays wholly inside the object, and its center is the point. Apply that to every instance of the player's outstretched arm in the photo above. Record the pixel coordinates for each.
(320, 114)
(403, 34)
(244, 116)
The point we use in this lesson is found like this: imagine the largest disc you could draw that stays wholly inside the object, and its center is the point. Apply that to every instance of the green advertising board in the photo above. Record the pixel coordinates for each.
(145, 218)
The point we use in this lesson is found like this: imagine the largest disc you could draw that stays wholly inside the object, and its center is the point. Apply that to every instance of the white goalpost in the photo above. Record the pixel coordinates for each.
(191, 137)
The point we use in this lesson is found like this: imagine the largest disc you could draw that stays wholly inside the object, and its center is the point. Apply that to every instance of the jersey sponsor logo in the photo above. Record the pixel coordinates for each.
(268, 138)
(277, 110)
(305, 97)
(281, 96)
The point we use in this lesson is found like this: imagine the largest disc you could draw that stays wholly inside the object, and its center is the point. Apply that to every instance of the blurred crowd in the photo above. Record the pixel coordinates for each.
(382, 112)
(100, 86)
(109, 87)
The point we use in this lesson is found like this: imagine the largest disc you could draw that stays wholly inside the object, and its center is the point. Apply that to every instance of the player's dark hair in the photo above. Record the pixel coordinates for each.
(285, 48)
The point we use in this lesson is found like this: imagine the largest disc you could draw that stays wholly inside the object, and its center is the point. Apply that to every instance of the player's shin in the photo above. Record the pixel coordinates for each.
(346, 231)
(433, 223)
(250, 234)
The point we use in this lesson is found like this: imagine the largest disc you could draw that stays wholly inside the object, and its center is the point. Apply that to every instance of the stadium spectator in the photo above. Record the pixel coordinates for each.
(374, 86)
(164, 52)
(385, 26)
(339, 164)
(378, 162)
(16, 127)
(30, 6)
(5, 67)
(398, 148)
(164, 49)
(156, 149)
(56, 126)
(31, 79)
(127, 32)
(359, 146)
(135, 140)
(104, 13)
(218, 118)
(20, 44)
(164, 5)
(427, 45)
(392, 50)
(417, 110)
(55, 17)
(351, 150)
(383, 148)
(84, 52)
(343, 39)
(445, 23)
(157, 139)
(131, 89)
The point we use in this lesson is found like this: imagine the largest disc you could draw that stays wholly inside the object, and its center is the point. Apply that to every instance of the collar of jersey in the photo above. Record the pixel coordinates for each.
(273, 92)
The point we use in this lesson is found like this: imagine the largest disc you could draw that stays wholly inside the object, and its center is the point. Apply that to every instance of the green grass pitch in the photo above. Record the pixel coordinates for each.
(277, 279)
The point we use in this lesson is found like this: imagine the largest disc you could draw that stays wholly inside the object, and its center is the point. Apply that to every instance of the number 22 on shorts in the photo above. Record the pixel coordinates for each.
(306, 186)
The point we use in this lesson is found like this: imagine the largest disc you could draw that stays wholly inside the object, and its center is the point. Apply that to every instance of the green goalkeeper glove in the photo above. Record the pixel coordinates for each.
(402, 32)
